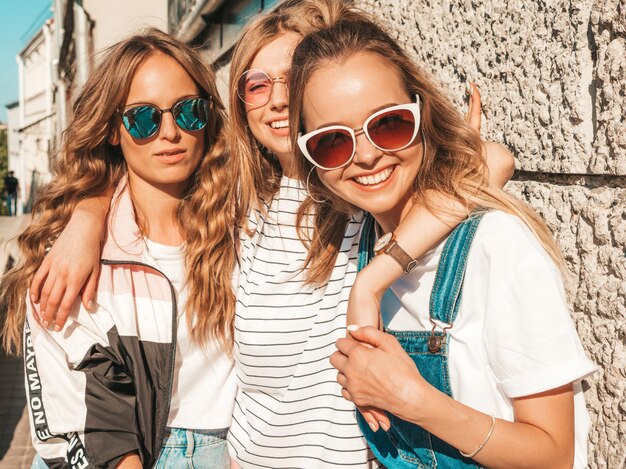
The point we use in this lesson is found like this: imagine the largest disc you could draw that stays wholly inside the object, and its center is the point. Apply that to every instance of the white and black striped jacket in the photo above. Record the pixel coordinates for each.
(100, 388)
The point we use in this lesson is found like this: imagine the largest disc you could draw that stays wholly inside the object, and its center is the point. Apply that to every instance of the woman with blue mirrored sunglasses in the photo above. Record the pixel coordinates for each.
(125, 382)
(144, 120)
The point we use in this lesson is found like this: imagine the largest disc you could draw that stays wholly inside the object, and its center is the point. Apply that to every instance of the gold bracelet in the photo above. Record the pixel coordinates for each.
(482, 445)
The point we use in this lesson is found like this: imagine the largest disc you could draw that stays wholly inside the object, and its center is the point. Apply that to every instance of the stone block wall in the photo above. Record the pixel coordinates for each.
(553, 79)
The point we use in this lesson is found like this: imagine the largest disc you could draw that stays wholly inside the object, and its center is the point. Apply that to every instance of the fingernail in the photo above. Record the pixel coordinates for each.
(89, 305)
(33, 298)
(373, 426)
(44, 323)
(384, 426)
(57, 328)
(468, 88)
(353, 327)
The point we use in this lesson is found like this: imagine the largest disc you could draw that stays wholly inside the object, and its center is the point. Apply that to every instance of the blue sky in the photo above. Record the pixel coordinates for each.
(19, 21)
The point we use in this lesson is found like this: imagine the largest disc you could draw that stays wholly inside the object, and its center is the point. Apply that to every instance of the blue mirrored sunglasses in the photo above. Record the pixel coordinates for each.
(143, 120)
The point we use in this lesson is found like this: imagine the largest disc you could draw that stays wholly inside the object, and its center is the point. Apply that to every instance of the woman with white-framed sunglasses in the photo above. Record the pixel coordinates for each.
(480, 364)
(391, 129)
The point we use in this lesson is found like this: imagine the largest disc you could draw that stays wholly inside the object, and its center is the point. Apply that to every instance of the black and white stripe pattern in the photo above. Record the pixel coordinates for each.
(289, 411)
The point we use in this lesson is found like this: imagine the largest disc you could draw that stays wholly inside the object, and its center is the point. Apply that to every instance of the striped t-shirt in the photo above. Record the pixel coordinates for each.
(289, 412)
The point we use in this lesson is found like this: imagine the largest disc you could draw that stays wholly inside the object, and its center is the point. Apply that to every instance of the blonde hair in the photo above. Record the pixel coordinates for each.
(453, 163)
(88, 165)
(259, 171)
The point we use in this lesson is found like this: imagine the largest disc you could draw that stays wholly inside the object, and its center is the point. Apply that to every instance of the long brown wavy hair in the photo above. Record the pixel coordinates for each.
(453, 164)
(259, 170)
(88, 165)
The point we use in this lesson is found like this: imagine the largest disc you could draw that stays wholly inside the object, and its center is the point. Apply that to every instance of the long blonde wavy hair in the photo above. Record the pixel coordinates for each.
(259, 170)
(88, 165)
(453, 163)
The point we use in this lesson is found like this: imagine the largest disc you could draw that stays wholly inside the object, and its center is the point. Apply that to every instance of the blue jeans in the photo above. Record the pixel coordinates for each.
(11, 201)
(185, 449)
(38, 463)
(189, 449)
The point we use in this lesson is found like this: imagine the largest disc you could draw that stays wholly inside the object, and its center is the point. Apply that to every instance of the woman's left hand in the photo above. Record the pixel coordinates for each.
(382, 375)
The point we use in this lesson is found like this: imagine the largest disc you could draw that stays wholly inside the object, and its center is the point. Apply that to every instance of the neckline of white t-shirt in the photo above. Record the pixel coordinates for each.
(163, 251)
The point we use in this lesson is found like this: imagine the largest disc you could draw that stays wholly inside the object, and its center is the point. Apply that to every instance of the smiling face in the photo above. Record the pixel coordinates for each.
(347, 93)
(166, 160)
(270, 123)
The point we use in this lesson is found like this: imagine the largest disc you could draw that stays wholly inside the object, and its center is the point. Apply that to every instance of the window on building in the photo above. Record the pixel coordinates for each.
(223, 25)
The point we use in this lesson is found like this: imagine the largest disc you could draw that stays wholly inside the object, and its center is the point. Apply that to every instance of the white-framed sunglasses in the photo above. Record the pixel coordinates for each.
(390, 129)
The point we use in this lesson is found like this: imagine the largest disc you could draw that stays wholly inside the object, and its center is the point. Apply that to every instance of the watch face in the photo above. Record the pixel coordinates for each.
(383, 241)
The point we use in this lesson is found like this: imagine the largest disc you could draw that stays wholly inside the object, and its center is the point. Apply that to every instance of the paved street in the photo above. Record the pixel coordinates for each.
(16, 451)
(15, 448)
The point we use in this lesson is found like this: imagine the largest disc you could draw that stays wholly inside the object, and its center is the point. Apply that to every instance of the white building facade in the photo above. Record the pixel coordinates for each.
(13, 137)
(36, 114)
(53, 66)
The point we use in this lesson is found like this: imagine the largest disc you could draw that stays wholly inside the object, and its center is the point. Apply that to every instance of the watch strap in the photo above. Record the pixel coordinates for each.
(394, 250)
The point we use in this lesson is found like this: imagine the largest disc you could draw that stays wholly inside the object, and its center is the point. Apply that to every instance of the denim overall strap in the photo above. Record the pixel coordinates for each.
(448, 286)
(446, 293)
(407, 445)
(366, 242)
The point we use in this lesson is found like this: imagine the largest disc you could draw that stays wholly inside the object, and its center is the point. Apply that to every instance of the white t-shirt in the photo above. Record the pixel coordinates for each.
(513, 335)
(205, 384)
(289, 411)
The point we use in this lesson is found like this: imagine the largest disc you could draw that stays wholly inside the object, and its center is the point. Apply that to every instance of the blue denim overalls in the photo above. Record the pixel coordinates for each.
(407, 445)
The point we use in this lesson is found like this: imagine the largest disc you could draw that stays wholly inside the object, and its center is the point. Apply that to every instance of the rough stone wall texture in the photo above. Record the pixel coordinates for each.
(590, 226)
(553, 79)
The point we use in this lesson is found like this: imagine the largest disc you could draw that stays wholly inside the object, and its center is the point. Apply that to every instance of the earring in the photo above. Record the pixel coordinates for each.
(308, 192)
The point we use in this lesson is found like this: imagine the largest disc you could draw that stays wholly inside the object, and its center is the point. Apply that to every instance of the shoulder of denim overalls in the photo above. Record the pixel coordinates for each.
(406, 445)
(448, 286)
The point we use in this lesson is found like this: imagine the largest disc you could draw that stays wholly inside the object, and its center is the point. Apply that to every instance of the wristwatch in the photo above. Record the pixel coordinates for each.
(387, 244)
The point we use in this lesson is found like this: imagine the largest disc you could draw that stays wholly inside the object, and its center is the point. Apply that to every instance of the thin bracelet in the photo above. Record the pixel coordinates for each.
(482, 445)
(50, 242)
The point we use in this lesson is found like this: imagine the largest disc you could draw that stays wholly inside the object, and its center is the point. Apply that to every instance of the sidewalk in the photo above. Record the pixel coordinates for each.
(16, 451)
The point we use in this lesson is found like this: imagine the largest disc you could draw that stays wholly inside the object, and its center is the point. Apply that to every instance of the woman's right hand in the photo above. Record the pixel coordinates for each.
(364, 310)
(375, 371)
(71, 265)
